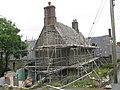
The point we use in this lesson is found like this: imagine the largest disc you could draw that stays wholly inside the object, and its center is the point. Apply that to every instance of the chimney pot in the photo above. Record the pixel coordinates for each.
(49, 15)
(109, 31)
(75, 25)
(49, 3)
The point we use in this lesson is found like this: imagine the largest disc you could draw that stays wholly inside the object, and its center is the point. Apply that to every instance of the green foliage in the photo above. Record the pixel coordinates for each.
(25, 89)
(83, 83)
(45, 88)
(102, 72)
(10, 41)
(118, 60)
(107, 66)
(105, 69)
(22, 50)
(56, 84)
(80, 83)
(40, 84)
(11, 88)
(1, 68)
(69, 79)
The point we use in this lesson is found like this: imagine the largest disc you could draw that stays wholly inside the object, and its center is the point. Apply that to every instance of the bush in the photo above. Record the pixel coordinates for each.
(1, 71)
(85, 83)
(102, 72)
(1, 68)
(40, 84)
(118, 60)
(45, 88)
(11, 88)
(107, 66)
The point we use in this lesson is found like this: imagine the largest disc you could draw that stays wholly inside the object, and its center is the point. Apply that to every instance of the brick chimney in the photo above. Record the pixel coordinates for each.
(75, 25)
(118, 43)
(49, 15)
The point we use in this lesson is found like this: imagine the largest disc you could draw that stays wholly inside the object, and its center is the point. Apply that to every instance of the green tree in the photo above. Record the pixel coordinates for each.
(10, 41)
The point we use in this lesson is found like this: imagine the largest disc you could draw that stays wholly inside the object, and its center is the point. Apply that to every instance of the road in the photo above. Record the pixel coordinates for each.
(117, 86)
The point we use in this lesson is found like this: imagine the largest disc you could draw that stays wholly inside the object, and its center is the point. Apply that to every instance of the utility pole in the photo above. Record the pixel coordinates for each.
(114, 40)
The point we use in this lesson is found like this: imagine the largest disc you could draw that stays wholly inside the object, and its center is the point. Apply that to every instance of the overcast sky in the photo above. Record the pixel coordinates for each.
(29, 15)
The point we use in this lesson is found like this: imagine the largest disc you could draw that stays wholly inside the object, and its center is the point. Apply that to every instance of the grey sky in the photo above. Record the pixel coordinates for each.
(29, 15)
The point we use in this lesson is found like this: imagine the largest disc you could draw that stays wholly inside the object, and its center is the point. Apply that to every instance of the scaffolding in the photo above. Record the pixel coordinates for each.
(56, 64)
(63, 62)
(61, 57)
(55, 70)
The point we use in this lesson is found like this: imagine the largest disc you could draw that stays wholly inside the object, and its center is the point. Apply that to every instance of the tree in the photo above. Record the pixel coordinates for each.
(10, 41)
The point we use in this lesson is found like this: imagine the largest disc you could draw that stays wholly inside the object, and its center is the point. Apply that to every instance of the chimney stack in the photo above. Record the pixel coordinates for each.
(109, 31)
(75, 25)
(49, 15)
(118, 43)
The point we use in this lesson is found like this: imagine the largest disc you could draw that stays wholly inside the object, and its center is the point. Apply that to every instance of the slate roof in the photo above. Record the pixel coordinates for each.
(69, 35)
(31, 53)
(31, 44)
(103, 42)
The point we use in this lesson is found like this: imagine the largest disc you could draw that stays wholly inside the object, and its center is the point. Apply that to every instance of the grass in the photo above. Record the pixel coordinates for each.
(107, 66)
(56, 84)
(102, 72)
(87, 82)
(40, 85)
(25, 89)
(45, 88)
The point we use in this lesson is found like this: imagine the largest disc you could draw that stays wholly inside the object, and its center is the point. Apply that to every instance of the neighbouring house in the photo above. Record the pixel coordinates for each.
(31, 53)
(103, 42)
(105, 46)
(23, 61)
(118, 52)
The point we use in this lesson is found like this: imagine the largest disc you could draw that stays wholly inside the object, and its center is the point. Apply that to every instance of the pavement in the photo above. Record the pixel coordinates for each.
(116, 86)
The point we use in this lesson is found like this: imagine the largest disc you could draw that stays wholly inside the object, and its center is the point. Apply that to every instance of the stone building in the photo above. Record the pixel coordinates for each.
(105, 46)
(103, 42)
(59, 44)
(60, 51)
